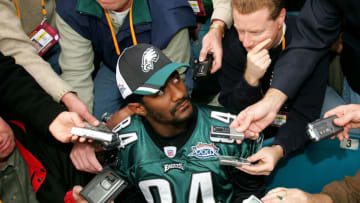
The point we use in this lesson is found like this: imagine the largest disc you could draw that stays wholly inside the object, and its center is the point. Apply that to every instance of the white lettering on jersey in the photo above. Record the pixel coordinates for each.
(127, 138)
(200, 182)
(163, 187)
(225, 118)
(123, 124)
(168, 167)
(203, 182)
(221, 116)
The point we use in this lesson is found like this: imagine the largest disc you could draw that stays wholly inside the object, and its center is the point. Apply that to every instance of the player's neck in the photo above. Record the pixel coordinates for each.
(168, 130)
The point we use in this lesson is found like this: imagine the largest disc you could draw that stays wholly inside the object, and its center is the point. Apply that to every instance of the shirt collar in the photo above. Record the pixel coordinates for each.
(11, 160)
(141, 11)
(284, 30)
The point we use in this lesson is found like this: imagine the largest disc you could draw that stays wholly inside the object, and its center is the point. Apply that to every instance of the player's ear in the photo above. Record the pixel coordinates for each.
(137, 108)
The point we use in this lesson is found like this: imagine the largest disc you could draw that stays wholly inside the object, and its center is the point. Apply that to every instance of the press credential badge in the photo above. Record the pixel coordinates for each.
(43, 37)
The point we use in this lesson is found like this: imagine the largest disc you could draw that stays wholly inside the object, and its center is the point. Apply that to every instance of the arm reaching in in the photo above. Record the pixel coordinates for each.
(258, 116)
(76, 194)
(267, 159)
(211, 44)
(73, 103)
(83, 157)
(61, 126)
(348, 116)
(285, 195)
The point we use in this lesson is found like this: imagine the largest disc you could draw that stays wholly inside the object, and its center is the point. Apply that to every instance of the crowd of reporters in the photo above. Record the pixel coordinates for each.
(267, 64)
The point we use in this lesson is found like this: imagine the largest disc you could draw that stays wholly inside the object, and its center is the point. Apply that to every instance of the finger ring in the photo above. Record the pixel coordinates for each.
(280, 197)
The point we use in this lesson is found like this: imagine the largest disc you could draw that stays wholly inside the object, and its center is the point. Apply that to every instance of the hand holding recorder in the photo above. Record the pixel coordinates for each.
(348, 117)
(323, 128)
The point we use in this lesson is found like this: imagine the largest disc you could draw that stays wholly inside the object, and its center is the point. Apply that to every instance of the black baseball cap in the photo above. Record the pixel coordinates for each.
(143, 69)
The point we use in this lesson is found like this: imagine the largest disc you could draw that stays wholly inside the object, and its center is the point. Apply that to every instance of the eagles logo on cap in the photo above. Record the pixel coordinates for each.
(149, 57)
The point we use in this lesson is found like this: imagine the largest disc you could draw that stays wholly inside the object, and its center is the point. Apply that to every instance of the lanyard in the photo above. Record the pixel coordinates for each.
(113, 33)
(43, 9)
(17, 9)
(42, 6)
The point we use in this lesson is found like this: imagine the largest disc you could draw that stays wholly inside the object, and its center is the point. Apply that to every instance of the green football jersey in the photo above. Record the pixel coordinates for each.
(189, 174)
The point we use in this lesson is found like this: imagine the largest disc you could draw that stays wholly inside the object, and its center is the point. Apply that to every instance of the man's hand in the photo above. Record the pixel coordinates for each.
(285, 195)
(211, 44)
(73, 103)
(348, 116)
(84, 159)
(61, 126)
(76, 194)
(267, 158)
(258, 61)
(258, 116)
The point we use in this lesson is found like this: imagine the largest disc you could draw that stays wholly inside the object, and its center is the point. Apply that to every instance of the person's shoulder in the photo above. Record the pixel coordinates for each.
(128, 132)
(66, 5)
(291, 28)
(231, 38)
(132, 123)
(290, 20)
(78, 10)
(232, 46)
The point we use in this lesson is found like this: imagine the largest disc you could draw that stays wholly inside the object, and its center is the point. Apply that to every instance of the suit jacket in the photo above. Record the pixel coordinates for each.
(319, 24)
(237, 94)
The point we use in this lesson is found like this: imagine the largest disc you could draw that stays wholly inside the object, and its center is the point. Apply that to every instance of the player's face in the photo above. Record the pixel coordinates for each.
(171, 105)
(7, 142)
(257, 26)
(115, 5)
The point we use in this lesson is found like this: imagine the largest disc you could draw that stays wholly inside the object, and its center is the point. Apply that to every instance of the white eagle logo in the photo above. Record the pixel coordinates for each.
(149, 57)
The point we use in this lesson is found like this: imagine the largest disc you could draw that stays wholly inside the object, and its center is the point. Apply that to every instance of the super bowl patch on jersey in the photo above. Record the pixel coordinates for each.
(204, 150)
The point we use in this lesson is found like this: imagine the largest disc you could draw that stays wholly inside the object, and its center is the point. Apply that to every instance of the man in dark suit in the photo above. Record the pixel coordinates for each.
(252, 47)
(318, 25)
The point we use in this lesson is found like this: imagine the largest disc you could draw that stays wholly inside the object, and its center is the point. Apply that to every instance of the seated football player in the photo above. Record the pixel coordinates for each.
(167, 152)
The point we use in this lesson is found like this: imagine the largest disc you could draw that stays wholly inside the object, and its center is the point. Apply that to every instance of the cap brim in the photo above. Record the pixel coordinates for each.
(156, 81)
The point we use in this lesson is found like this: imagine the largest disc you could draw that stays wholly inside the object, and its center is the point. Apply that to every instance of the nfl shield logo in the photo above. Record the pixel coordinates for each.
(170, 151)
